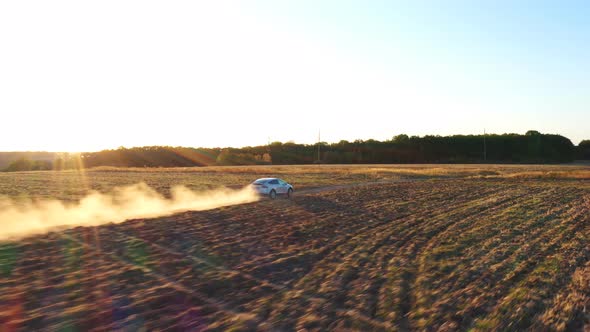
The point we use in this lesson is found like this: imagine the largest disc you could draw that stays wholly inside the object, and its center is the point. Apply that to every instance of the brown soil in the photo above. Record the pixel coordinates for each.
(456, 254)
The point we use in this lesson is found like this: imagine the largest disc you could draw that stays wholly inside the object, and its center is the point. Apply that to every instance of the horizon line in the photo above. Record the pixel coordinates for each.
(270, 142)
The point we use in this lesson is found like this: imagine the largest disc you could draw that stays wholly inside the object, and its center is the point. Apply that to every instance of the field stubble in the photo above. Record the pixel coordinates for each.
(509, 252)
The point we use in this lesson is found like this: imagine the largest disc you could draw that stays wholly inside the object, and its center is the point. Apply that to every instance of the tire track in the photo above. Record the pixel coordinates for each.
(446, 280)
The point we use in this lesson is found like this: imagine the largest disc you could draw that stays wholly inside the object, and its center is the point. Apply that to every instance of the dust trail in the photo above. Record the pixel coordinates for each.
(135, 201)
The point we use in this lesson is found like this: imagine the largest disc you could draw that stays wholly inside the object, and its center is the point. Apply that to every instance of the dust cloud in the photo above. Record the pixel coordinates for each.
(19, 219)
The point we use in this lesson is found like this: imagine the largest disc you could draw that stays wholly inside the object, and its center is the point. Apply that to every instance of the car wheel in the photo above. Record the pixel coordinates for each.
(272, 194)
(289, 193)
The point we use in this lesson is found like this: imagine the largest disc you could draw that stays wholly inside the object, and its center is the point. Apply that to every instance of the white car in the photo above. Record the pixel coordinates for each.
(272, 187)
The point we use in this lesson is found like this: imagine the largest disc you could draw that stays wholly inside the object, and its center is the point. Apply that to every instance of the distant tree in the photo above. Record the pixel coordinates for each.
(583, 150)
(229, 157)
(401, 139)
(532, 133)
(26, 164)
(21, 164)
(41, 165)
(59, 164)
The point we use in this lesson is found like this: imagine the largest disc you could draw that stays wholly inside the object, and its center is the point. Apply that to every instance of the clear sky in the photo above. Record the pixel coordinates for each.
(89, 75)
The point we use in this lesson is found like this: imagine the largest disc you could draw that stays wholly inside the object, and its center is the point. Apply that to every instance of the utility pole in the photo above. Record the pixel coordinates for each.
(485, 152)
(319, 144)
(268, 150)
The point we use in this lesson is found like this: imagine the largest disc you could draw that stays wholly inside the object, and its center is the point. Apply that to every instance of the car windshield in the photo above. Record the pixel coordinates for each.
(260, 181)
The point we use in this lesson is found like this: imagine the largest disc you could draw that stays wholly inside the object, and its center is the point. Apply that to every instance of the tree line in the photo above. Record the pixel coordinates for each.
(533, 147)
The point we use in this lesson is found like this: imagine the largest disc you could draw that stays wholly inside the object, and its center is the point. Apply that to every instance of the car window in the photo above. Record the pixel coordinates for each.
(282, 182)
(274, 182)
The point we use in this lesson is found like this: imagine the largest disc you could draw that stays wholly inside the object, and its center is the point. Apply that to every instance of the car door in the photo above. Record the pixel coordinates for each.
(274, 184)
(284, 187)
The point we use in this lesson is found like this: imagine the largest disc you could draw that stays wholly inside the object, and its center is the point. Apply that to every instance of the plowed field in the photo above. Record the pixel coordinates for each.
(451, 254)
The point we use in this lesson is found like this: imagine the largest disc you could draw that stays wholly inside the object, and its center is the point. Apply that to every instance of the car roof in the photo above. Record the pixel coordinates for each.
(266, 179)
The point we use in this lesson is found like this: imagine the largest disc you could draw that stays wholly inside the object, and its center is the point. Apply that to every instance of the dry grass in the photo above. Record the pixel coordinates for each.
(573, 174)
(73, 185)
(422, 170)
